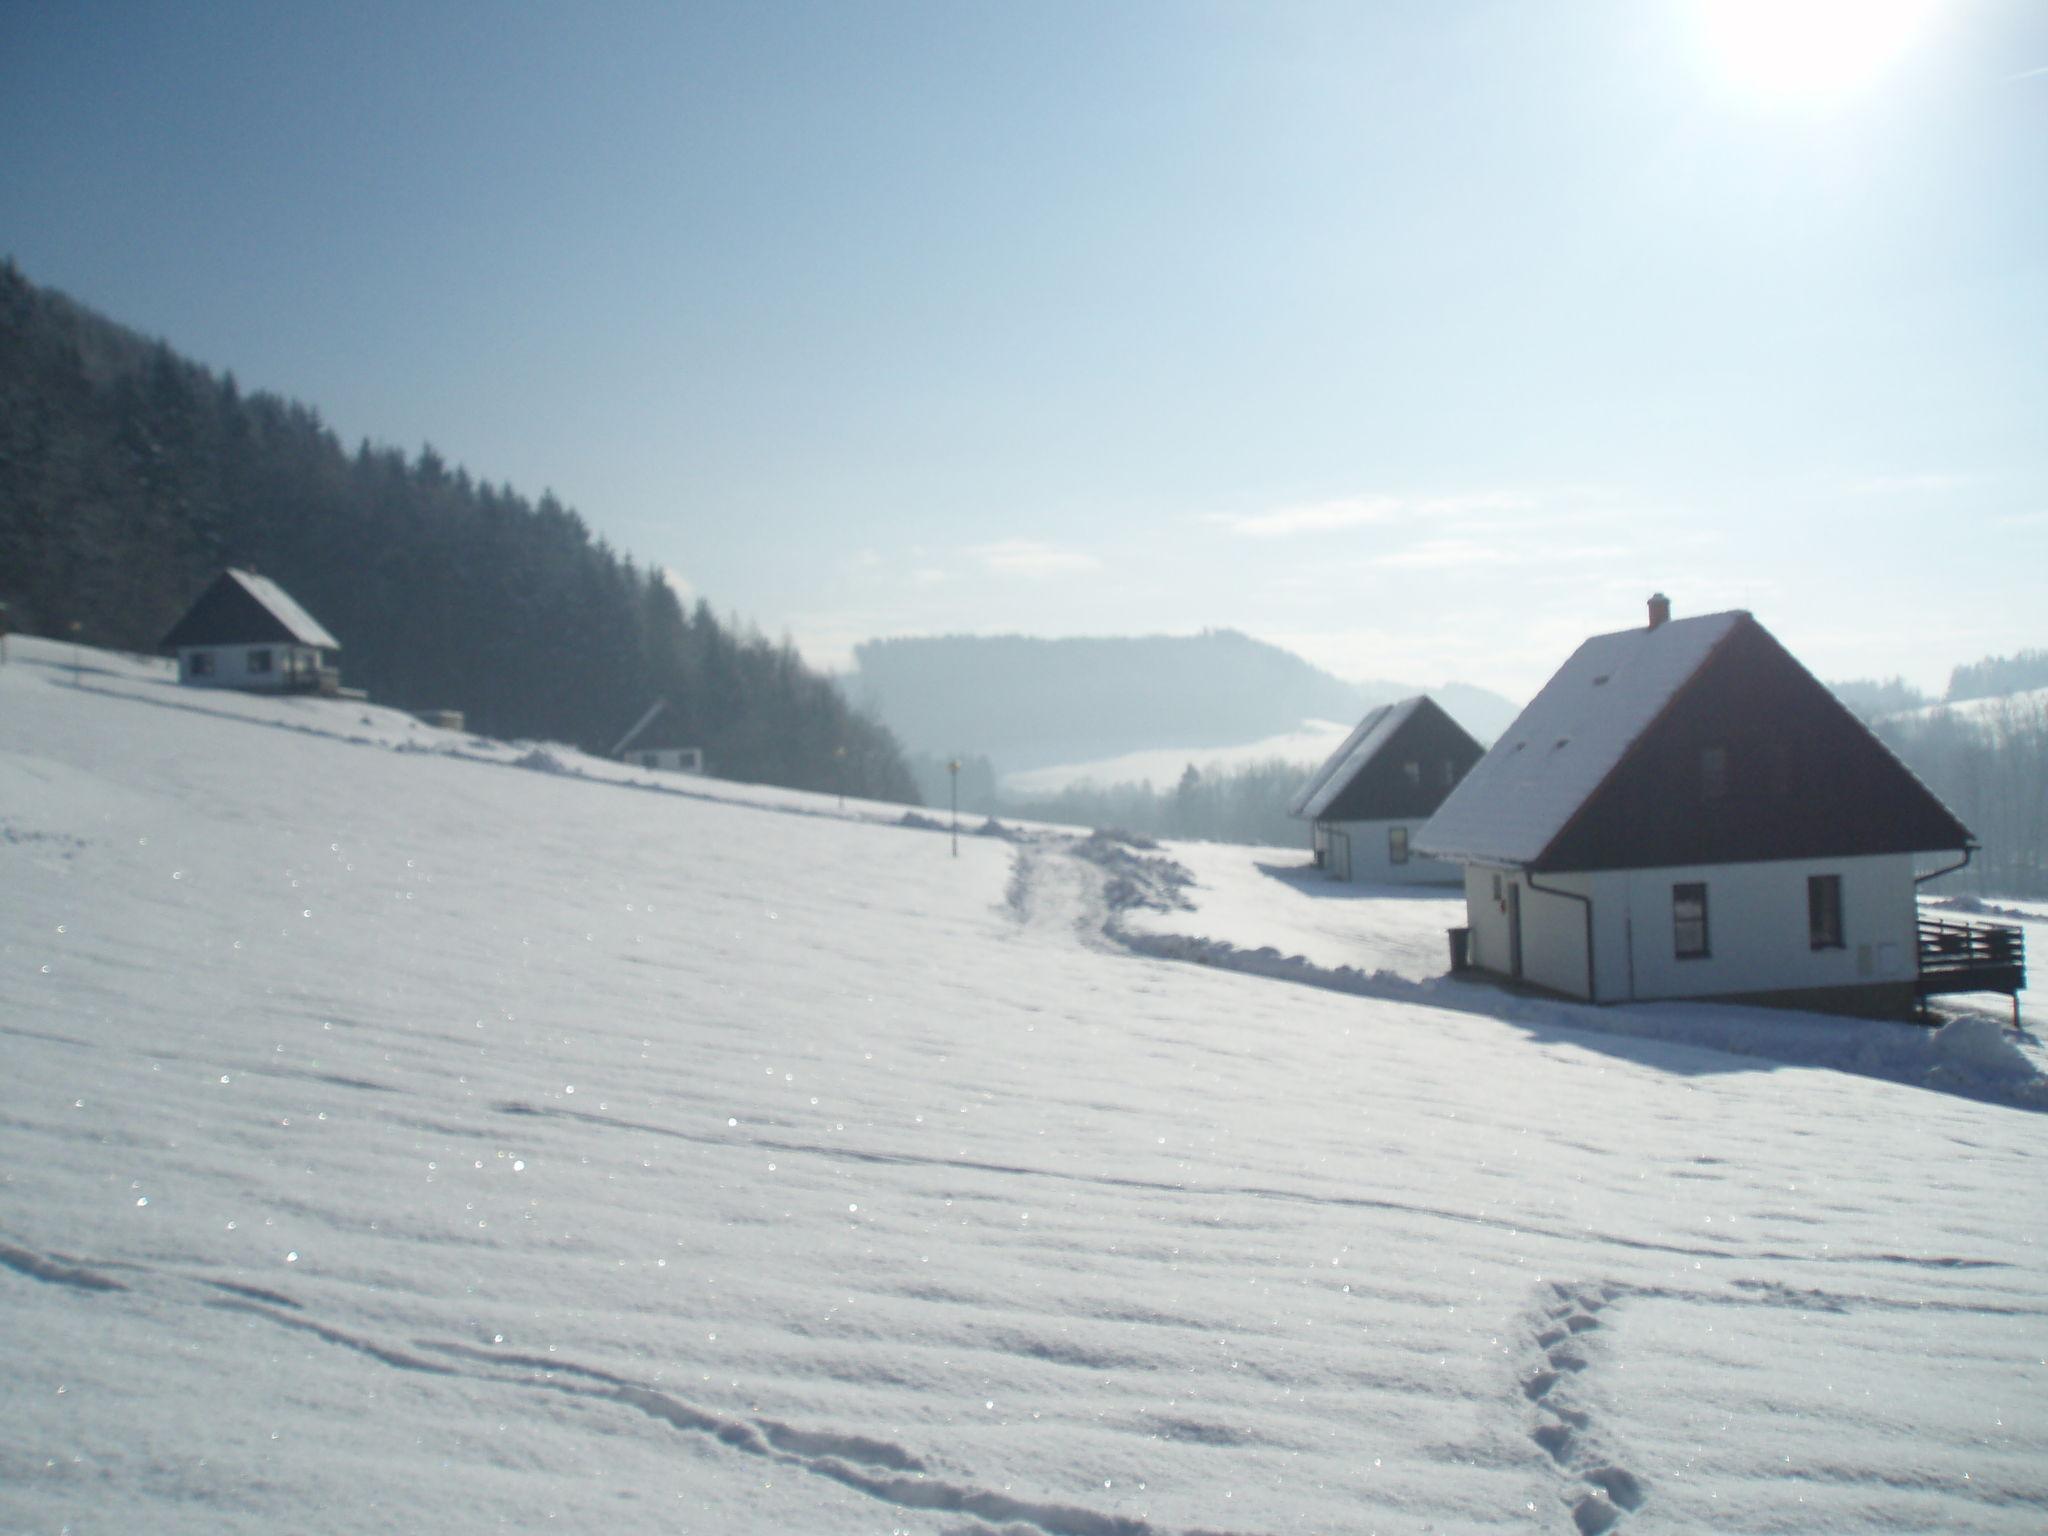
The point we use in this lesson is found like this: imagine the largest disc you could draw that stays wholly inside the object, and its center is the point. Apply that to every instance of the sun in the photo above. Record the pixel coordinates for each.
(1793, 49)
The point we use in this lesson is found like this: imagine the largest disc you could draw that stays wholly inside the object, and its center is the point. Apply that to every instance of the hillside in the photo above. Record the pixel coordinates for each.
(1030, 704)
(129, 476)
(405, 1130)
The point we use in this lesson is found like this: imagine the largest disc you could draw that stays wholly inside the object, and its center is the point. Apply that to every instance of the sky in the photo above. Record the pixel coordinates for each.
(1424, 340)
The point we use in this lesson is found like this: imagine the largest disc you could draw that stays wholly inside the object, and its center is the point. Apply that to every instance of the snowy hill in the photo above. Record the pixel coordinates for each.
(398, 1137)
(1995, 712)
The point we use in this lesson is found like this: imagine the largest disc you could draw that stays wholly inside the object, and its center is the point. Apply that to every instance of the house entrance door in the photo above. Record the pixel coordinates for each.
(1515, 930)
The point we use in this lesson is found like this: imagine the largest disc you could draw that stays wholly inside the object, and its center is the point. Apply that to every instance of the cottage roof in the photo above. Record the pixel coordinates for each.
(242, 608)
(661, 729)
(1561, 749)
(1701, 741)
(1351, 758)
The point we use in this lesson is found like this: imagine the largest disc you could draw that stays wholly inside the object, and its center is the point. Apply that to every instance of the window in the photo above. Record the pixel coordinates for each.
(1450, 773)
(1412, 772)
(201, 664)
(1397, 845)
(1824, 911)
(259, 661)
(1689, 921)
(1714, 773)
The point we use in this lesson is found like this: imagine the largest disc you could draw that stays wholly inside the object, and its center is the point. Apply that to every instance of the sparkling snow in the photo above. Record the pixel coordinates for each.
(394, 1138)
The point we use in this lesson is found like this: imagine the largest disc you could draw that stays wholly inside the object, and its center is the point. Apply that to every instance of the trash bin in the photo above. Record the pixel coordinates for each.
(1461, 938)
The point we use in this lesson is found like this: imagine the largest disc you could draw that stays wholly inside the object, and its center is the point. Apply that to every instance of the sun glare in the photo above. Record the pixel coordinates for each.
(1807, 49)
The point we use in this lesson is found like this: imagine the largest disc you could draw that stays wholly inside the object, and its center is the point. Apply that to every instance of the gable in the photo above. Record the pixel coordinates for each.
(1752, 759)
(245, 609)
(1569, 739)
(1409, 772)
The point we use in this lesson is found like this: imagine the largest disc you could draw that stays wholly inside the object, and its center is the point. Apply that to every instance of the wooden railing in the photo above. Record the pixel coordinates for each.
(1971, 957)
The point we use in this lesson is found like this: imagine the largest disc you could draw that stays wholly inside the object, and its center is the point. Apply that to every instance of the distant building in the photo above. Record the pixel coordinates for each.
(657, 742)
(1685, 812)
(1374, 792)
(245, 631)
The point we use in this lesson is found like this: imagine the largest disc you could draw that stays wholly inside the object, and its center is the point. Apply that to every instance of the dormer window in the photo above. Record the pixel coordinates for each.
(1412, 772)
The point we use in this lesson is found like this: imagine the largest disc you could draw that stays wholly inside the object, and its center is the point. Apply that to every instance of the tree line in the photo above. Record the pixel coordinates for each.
(129, 476)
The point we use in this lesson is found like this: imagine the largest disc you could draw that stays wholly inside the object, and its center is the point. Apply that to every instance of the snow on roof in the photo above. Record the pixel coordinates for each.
(285, 609)
(1345, 764)
(1518, 797)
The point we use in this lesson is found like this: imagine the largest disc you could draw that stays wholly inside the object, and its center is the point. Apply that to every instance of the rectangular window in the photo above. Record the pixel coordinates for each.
(1450, 773)
(202, 664)
(1714, 773)
(1689, 921)
(259, 661)
(1412, 772)
(1397, 845)
(1824, 911)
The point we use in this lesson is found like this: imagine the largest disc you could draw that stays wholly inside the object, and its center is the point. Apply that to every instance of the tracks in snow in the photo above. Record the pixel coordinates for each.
(877, 1468)
(1563, 1345)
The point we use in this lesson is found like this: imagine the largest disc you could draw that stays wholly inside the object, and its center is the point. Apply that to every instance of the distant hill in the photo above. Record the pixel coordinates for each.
(1029, 703)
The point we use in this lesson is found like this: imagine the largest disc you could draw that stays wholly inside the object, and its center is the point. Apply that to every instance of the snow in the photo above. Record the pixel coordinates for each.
(392, 1138)
(301, 625)
(1163, 766)
(1344, 765)
(1992, 713)
(1561, 748)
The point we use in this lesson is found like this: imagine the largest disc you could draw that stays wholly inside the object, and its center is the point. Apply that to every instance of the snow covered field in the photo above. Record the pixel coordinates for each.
(393, 1138)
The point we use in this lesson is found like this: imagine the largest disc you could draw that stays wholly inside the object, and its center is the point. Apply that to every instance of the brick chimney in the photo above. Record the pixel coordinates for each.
(1660, 609)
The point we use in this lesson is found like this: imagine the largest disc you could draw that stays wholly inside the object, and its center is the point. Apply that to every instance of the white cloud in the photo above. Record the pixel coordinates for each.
(1033, 560)
(679, 584)
(1368, 511)
(1445, 554)
(928, 576)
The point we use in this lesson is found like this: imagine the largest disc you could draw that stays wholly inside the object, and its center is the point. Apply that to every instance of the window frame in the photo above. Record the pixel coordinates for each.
(1693, 891)
(199, 664)
(1825, 928)
(257, 660)
(1397, 845)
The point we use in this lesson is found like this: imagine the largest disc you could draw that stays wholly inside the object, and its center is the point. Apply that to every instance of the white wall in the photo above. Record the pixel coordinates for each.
(231, 667)
(1757, 928)
(668, 759)
(1369, 861)
(1756, 922)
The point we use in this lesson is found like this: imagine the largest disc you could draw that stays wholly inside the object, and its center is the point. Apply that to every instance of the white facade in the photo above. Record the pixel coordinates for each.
(1369, 853)
(668, 759)
(258, 668)
(1757, 933)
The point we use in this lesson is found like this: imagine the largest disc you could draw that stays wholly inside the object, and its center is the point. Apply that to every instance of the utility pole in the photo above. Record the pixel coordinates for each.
(953, 768)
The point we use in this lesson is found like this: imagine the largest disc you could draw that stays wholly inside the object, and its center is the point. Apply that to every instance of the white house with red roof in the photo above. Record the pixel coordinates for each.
(1684, 812)
(245, 631)
(1370, 796)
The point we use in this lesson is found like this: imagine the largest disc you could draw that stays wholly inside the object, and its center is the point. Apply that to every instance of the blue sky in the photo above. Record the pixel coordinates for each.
(1422, 338)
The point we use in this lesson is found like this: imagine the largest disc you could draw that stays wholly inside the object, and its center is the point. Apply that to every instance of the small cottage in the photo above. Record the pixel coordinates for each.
(1685, 812)
(657, 741)
(1371, 795)
(245, 631)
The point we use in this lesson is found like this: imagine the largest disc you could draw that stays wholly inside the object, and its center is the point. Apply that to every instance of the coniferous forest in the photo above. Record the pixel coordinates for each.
(129, 476)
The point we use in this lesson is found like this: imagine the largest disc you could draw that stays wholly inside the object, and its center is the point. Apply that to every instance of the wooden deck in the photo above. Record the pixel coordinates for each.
(1971, 957)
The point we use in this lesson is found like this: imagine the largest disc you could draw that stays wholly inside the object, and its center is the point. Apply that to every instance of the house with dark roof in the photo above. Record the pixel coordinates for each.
(1685, 812)
(245, 631)
(657, 740)
(1371, 795)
